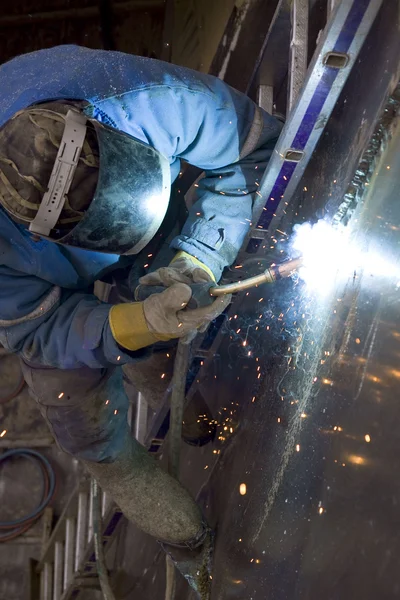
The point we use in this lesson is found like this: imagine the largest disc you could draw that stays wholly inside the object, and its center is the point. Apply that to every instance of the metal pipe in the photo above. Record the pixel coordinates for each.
(268, 276)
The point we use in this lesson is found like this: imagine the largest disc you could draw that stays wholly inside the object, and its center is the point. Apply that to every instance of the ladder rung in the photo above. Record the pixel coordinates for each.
(105, 503)
(46, 582)
(58, 570)
(70, 528)
(90, 519)
(81, 528)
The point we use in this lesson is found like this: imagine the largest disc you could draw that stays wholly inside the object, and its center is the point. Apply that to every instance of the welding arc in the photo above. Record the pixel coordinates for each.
(268, 276)
(18, 526)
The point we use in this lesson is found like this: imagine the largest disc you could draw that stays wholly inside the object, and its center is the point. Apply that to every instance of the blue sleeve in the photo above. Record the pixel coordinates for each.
(200, 119)
(58, 328)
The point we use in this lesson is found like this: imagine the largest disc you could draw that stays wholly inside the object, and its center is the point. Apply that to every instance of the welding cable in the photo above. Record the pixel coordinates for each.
(178, 394)
(98, 544)
(15, 528)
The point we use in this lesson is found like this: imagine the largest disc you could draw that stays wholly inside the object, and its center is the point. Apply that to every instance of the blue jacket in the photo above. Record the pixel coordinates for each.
(47, 314)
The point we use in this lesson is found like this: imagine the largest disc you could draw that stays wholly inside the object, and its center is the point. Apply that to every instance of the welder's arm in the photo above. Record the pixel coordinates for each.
(200, 119)
(50, 326)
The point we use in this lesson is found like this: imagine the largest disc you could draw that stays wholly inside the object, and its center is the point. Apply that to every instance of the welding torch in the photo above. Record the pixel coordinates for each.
(203, 294)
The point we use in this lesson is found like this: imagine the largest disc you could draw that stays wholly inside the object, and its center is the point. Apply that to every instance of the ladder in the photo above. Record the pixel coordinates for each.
(68, 563)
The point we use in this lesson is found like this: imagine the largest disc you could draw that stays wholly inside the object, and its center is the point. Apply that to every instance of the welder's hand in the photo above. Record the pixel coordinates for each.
(161, 317)
(184, 268)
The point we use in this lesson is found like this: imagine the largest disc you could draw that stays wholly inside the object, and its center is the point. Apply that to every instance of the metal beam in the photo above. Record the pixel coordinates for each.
(243, 42)
(298, 49)
(76, 13)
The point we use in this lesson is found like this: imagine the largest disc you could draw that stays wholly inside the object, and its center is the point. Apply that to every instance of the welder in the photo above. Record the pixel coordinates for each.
(90, 142)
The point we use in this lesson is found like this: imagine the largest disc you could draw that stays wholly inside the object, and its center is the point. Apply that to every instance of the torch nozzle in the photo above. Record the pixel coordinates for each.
(270, 275)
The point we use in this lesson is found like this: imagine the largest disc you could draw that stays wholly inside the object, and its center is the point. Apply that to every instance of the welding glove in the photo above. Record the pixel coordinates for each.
(161, 317)
(183, 268)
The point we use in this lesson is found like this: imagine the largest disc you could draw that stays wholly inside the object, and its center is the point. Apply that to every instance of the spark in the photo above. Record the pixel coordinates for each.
(367, 438)
(243, 489)
(297, 447)
(356, 460)
(107, 402)
(115, 411)
(3, 433)
(320, 510)
(61, 395)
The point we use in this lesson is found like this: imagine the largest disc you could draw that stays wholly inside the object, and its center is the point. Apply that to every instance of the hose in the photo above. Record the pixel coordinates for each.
(18, 526)
(98, 544)
(181, 366)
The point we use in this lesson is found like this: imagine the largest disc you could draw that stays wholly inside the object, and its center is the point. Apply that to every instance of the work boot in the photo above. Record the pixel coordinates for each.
(193, 560)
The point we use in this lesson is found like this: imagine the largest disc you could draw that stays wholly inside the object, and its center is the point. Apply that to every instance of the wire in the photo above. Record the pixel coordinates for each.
(18, 526)
(98, 543)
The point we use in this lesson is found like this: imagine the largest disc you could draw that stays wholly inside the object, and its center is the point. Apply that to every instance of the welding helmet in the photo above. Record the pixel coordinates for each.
(79, 182)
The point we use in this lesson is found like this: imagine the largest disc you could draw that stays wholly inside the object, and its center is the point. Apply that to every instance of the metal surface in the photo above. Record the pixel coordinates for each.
(298, 49)
(320, 449)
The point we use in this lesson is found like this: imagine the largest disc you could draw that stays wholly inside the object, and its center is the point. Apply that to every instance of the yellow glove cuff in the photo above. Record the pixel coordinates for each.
(195, 261)
(129, 327)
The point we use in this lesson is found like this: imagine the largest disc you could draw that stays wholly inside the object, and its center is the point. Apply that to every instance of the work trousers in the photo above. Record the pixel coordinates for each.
(86, 410)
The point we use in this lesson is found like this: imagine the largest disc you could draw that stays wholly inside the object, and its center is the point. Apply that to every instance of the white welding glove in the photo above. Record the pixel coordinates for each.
(184, 268)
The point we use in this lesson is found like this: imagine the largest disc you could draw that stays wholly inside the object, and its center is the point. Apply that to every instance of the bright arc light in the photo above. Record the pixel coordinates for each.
(325, 252)
(333, 253)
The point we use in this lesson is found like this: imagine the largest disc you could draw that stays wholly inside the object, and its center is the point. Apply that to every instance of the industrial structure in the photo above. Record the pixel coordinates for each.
(300, 378)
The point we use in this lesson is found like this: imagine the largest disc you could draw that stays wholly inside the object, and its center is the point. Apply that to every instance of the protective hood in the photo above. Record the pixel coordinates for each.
(131, 197)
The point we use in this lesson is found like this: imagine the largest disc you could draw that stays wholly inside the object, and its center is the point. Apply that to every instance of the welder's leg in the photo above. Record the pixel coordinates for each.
(86, 410)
